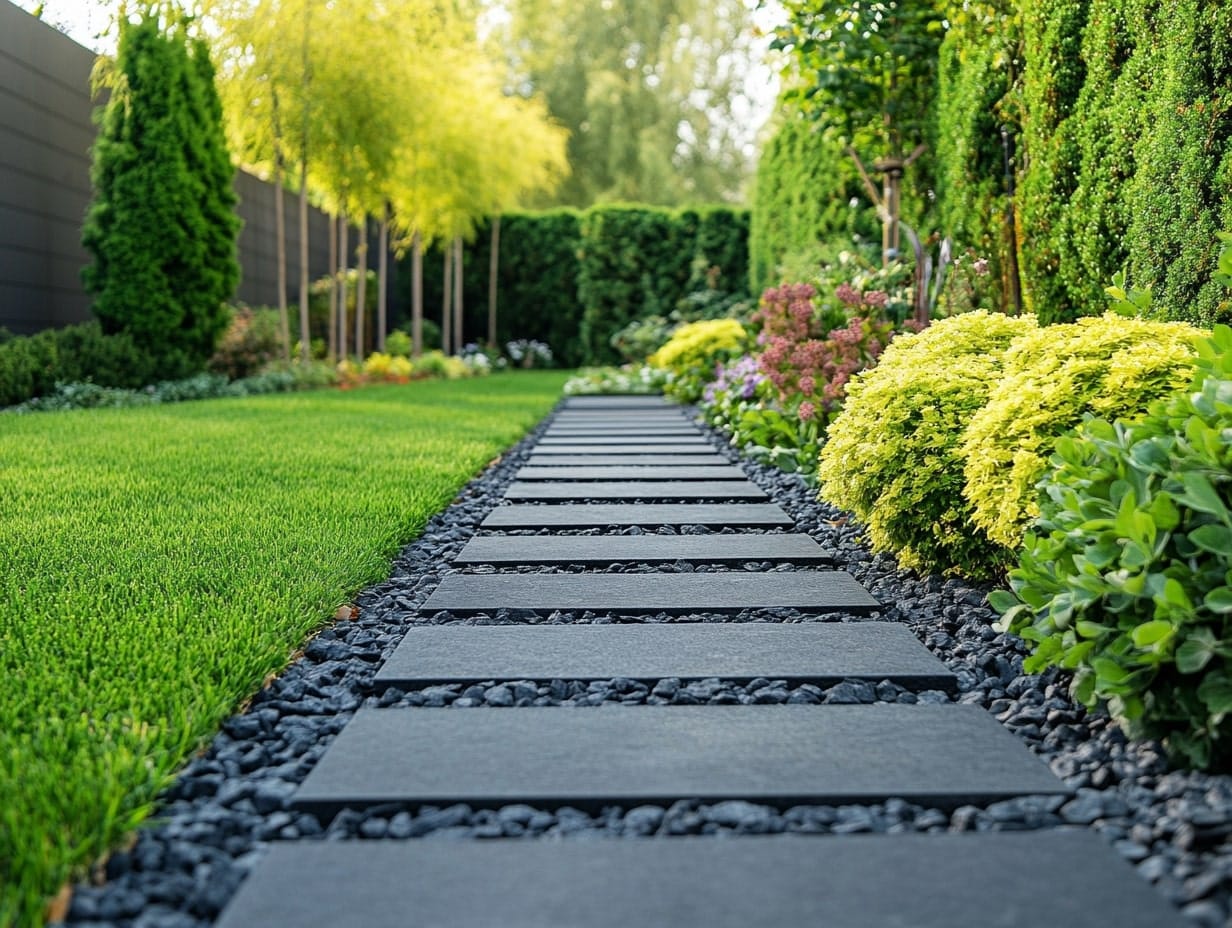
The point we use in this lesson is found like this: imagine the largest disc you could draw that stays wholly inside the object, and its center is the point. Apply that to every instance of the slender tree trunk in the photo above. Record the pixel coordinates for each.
(333, 289)
(343, 229)
(493, 270)
(361, 286)
(457, 294)
(447, 308)
(416, 295)
(382, 281)
(280, 233)
(305, 329)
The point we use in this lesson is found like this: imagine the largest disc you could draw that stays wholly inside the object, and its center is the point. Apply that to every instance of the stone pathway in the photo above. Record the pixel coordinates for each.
(943, 755)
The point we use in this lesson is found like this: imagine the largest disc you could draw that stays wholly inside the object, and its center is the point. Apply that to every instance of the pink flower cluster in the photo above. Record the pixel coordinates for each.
(786, 311)
(814, 372)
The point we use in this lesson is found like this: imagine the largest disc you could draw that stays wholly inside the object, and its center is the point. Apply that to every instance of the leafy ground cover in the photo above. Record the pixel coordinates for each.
(160, 562)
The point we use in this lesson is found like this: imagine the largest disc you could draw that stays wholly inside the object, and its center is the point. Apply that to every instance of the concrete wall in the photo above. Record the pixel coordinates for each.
(46, 131)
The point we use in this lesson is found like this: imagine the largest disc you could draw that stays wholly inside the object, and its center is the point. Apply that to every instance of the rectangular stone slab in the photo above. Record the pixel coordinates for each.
(645, 489)
(604, 515)
(607, 447)
(605, 550)
(823, 653)
(589, 430)
(618, 401)
(632, 472)
(660, 460)
(714, 591)
(1009, 880)
(947, 755)
(666, 416)
(696, 440)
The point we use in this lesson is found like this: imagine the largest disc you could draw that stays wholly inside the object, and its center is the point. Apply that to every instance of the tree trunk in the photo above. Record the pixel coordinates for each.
(305, 330)
(457, 294)
(361, 285)
(343, 229)
(493, 269)
(447, 308)
(280, 233)
(416, 295)
(382, 281)
(333, 289)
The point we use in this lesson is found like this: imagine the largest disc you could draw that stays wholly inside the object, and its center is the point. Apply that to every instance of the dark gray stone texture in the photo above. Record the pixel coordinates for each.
(605, 447)
(627, 440)
(629, 401)
(655, 460)
(602, 515)
(633, 472)
(823, 654)
(627, 431)
(640, 489)
(947, 755)
(1065, 878)
(615, 549)
(716, 591)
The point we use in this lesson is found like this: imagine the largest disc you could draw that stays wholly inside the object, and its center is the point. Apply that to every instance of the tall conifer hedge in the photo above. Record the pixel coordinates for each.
(162, 226)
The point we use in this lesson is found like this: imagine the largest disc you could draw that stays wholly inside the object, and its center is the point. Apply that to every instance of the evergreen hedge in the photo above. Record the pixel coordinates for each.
(552, 283)
(162, 226)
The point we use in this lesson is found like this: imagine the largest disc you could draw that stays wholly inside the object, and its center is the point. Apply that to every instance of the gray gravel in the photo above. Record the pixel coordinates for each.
(230, 801)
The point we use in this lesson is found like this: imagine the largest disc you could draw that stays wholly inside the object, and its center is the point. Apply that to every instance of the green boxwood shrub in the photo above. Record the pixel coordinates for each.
(691, 353)
(1127, 576)
(892, 454)
(1105, 365)
(32, 365)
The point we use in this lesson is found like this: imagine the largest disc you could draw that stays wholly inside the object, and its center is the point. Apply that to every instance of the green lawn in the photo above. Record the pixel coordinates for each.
(158, 563)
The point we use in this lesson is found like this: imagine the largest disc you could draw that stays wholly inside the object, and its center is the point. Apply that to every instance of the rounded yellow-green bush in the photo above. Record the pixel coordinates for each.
(891, 456)
(692, 352)
(1110, 366)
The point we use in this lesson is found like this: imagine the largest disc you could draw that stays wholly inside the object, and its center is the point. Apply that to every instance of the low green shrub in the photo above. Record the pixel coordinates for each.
(1107, 365)
(640, 379)
(892, 455)
(642, 337)
(690, 355)
(32, 365)
(251, 341)
(398, 343)
(1126, 578)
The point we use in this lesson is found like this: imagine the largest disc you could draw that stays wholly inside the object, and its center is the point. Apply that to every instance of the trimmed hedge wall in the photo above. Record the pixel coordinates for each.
(573, 279)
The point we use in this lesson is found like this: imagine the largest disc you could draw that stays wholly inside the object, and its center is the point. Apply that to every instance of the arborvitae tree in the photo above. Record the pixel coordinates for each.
(1182, 191)
(1109, 118)
(977, 80)
(162, 227)
(1052, 78)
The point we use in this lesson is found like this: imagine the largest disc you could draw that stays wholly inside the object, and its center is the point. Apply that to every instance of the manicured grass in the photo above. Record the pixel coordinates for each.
(158, 563)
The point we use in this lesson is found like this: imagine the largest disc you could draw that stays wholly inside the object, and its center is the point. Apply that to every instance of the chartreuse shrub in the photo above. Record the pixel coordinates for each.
(1107, 365)
(159, 563)
(691, 354)
(892, 456)
(1126, 578)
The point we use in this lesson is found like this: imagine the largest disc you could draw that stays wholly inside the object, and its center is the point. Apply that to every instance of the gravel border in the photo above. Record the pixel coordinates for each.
(231, 800)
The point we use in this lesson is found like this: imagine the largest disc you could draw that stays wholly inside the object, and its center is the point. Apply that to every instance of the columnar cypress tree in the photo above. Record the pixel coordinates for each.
(1053, 75)
(162, 226)
(1182, 192)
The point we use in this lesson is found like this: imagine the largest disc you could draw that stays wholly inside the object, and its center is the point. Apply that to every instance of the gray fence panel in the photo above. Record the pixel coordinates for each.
(46, 130)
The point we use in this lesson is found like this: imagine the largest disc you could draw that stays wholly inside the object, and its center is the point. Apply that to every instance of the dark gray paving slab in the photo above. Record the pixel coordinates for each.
(713, 591)
(631, 401)
(627, 440)
(632, 472)
(823, 653)
(607, 446)
(604, 515)
(642, 489)
(567, 431)
(541, 459)
(947, 755)
(606, 550)
(1009, 880)
(638, 417)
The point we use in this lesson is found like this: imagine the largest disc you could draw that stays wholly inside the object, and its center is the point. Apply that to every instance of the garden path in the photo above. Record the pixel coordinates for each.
(619, 461)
